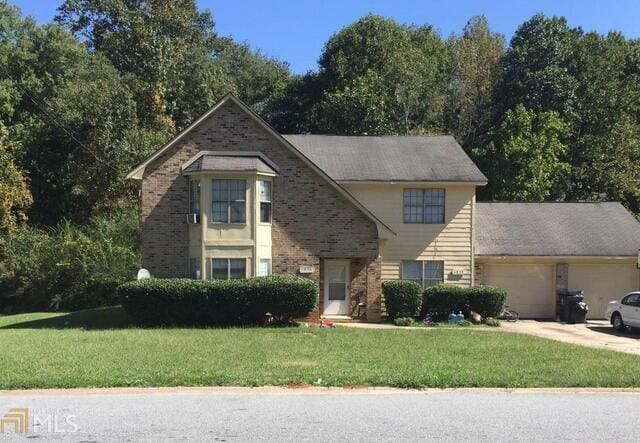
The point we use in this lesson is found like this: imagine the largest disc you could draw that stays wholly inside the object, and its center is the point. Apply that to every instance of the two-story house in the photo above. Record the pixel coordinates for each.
(230, 197)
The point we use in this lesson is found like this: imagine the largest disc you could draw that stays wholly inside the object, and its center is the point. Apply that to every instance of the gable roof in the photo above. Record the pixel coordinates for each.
(137, 173)
(389, 158)
(555, 229)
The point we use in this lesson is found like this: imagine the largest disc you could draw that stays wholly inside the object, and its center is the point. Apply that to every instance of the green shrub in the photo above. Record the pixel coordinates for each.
(441, 300)
(487, 301)
(218, 302)
(465, 323)
(68, 267)
(402, 298)
(494, 322)
(404, 321)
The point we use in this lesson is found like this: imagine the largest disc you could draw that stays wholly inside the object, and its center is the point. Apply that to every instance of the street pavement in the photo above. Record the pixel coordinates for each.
(332, 415)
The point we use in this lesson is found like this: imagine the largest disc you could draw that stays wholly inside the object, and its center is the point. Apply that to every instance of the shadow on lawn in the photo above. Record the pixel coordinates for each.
(113, 317)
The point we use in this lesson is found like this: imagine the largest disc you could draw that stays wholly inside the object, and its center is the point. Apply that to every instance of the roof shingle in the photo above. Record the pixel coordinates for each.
(389, 158)
(555, 229)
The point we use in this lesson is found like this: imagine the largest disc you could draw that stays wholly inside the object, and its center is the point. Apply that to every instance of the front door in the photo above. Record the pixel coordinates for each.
(336, 287)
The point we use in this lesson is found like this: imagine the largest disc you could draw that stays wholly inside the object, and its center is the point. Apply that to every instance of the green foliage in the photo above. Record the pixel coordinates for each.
(404, 321)
(68, 267)
(524, 159)
(218, 302)
(465, 323)
(402, 298)
(536, 66)
(441, 300)
(477, 73)
(15, 197)
(487, 301)
(376, 77)
(493, 322)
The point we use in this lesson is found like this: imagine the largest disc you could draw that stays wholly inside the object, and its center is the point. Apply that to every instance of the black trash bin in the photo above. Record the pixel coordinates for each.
(571, 307)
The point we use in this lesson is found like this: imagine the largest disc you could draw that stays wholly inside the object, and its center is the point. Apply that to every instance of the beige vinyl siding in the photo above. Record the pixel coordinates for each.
(450, 242)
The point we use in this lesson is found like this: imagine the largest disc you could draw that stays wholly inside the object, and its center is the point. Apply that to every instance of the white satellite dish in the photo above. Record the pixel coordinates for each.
(143, 273)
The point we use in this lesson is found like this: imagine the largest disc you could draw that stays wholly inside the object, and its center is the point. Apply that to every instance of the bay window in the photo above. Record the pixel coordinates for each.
(228, 268)
(229, 201)
(265, 201)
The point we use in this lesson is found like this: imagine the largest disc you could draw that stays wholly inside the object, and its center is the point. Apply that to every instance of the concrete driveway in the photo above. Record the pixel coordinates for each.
(594, 333)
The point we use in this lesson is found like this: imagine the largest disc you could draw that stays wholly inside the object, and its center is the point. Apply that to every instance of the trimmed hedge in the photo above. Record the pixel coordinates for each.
(218, 302)
(488, 301)
(441, 300)
(402, 298)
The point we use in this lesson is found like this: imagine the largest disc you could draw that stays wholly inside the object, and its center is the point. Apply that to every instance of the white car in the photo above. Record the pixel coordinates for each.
(624, 312)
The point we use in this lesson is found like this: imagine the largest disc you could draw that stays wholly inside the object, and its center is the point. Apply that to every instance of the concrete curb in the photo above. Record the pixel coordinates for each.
(278, 390)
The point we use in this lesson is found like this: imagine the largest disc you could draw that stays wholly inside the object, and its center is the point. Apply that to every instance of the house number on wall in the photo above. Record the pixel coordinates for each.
(306, 269)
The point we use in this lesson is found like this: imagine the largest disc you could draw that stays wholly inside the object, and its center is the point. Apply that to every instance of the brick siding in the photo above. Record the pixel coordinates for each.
(311, 220)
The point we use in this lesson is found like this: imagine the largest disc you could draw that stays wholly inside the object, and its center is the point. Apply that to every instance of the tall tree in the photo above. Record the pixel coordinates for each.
(176, 64)
(477, 56)
(536, 67)
(15, 197)
(524, 158)
(151, 40)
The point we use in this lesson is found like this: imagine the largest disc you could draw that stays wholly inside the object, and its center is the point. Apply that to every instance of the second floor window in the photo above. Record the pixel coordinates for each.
(265, 201)
(423, 206)
(229, 201)
(194, 197)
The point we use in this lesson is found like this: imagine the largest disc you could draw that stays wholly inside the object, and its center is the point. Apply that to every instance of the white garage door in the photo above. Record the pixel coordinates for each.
(530, 287)
(602, 283)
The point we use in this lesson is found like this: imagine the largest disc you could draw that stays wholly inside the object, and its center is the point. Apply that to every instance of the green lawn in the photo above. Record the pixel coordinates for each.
(102, 348)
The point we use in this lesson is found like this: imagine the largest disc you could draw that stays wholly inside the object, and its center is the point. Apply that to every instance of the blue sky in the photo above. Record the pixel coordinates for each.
(296, 30)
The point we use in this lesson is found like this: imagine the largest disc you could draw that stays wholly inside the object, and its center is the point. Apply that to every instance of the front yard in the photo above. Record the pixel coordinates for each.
(101, 348)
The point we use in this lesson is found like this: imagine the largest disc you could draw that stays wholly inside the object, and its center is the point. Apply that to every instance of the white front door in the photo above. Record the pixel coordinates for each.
(336, 287)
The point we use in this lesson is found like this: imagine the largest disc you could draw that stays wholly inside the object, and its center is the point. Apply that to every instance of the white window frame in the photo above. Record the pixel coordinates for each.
(195, 260)
(425, 206)
(228, 260)
(229, 201)
(192, 200)
(269, 201)
(268, 260)
(423, 280)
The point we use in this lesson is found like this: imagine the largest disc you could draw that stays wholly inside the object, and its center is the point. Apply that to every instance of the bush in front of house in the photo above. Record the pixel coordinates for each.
(184, 302)
(441, 300)
(402, 298)
(488, 301)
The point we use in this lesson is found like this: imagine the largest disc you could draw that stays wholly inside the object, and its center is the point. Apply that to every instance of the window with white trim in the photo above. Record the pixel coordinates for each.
(194, 268)
(424, 206)
(229, 201)
(228, 268)
(194, 197)
(265, 201)
(424, 272)
(264, 267)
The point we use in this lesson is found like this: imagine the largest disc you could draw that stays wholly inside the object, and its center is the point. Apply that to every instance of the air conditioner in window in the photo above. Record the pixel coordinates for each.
(193, 218)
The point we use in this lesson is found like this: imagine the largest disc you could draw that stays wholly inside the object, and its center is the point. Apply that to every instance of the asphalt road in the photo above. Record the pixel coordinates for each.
(304, 416)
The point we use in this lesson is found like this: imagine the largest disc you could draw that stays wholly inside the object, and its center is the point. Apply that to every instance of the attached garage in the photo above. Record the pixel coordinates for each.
(530, 287)
(534, 250)
(602, 283)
